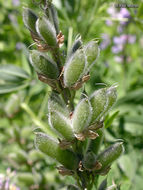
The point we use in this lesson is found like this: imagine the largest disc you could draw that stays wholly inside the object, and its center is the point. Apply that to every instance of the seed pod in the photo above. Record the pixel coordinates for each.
(111, 95)
(89, 161)
(98, 102)
(54, 17)
(76, 45)
(55, 103)
(19, 156)
(50, 147)
(92, 52)
(72, 187)
(30, 18)
(74, 68)
(61, 124)
(43, 64)
(82, 116)
(95, 144)
(46, 31)
(35, 155)
(26, 178)
(110, 154)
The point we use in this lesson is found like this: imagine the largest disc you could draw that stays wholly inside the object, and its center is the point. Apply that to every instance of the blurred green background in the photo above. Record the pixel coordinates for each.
(23, 99)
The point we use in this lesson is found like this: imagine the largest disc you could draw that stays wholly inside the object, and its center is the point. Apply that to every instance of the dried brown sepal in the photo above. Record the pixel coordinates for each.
(91, 134)
(50, 82)
(63, 171)
(80, 136)
(80, 167)
(97, 166)
(96, 126)
(65, 144)
(79, 84)
(60, 38)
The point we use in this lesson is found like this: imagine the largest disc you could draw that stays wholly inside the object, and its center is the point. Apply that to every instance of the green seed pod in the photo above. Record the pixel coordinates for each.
(98, 102)
(89, 161)
(50, 147)
(111, 94)
(110, 154)
(35, 155)
(76, 45)
(72, 187)
(43, 64)
(46, 31)
(92, 52)
(82, 116)
(28, 178)
(19, 156)
(94, 145)
(61, 124)
(55, 103)
(54, 17)
(74, 68)
(30, 18)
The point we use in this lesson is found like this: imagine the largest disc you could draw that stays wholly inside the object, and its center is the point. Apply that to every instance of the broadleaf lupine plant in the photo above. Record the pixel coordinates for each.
(80, 128)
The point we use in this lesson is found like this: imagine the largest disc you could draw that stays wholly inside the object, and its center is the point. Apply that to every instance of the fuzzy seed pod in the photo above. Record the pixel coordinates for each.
(61, 124)
(43, 64)
(95, 144)
(111, 95)
(54, 16)
(92, 52)
(98, 102)
(74, 68)
(110, 154)
(89, 161)
(30, 18)
(55, 103)
(50, 147)
(82, 116)
(76, 45)
(46, 31)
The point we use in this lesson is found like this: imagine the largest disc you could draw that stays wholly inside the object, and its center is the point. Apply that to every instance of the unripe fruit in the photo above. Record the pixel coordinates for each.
(30, 18)
(61, 124)
(46, 31)
(81, 116)
(54, 17)
(50, 147)
(98, 102)
(92, 52)
(110, 154)
(28, 178)
(111, 95)
(74, 68)
(89, 161)
(56, 103)
(95, 144)
(43, 64)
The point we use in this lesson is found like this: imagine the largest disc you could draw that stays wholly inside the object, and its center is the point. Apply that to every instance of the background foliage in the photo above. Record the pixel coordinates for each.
(23, 104)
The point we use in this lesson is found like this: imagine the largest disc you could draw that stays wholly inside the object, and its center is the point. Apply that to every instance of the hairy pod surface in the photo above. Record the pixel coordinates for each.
(81, 116)
(43, 64)
(61, 124)
(30, 18)
(89, 160)
(46, 31)
(92, 52)
(56, 103)
(50, 147)
(111, 95)
(54, 17)
(110, 154)
(98, 102)
(74, 68)
(94, 145)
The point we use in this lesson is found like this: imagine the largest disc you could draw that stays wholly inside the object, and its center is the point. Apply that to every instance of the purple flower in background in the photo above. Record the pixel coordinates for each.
(118, 59)
(109, 22)
(105, 41)
(131, 39)
(121, 39)
(15, 3)
(124, 13)
(117, 48)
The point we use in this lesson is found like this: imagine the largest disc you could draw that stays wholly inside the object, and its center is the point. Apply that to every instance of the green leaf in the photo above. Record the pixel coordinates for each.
(6, 88)
(12, 70)
(110, 119)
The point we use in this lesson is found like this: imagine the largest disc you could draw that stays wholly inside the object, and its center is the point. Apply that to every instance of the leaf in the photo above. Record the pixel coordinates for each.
(103, 184)
(12, 71)
(6, 88)
(110, 120)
